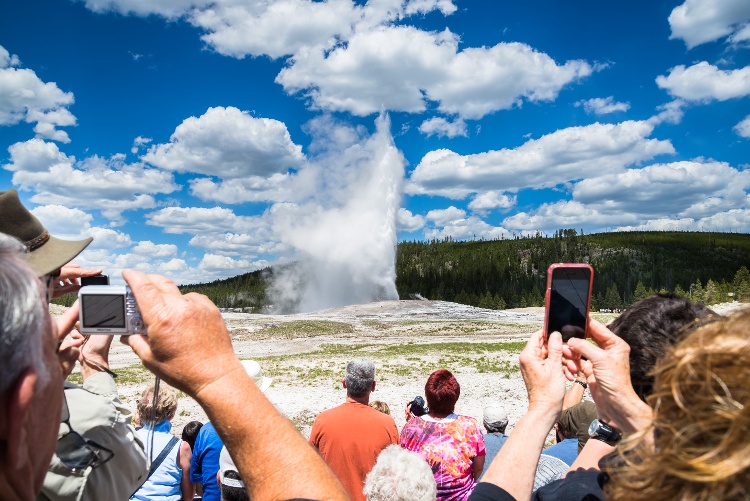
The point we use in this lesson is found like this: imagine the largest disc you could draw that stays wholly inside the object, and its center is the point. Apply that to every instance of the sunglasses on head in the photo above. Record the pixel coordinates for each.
(77, 453)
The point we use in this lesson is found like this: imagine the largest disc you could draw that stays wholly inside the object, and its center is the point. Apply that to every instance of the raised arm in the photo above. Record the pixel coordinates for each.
(514, 467)
(188, 346)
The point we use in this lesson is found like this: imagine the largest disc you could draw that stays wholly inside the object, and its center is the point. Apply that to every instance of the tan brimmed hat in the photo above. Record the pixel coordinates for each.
(45, 252)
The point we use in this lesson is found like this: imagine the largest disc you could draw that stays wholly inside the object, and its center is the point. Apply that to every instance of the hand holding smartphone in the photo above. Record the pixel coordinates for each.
(568, 299)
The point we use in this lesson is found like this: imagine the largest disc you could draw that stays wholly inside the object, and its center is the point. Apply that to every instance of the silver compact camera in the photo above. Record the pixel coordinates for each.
(109, 309)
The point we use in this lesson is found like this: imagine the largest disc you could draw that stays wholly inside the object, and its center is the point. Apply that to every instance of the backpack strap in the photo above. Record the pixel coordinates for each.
(162, 456)
(159, 460)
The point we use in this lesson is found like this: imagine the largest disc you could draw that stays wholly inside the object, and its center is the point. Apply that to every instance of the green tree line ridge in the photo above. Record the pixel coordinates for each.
(500, 274)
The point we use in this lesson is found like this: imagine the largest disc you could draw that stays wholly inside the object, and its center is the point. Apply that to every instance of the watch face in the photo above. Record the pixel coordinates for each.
(593, 427)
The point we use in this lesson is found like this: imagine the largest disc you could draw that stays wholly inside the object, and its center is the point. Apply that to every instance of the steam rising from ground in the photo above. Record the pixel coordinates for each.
(343, 227)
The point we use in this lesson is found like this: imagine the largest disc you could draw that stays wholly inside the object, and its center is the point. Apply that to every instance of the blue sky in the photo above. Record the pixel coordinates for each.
(204, 139)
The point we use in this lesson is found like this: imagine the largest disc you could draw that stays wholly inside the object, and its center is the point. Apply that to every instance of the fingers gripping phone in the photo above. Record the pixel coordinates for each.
(568, 299)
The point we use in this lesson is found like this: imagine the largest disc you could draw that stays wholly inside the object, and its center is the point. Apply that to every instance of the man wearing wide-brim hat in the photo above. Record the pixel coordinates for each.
(94, 410)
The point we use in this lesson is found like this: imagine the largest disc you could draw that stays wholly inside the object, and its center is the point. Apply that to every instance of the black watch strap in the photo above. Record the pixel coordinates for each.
(599, 430)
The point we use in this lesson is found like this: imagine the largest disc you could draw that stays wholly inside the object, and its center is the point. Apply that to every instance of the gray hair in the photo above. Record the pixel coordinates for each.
(360, 373)
(400, 475)
(23, 316)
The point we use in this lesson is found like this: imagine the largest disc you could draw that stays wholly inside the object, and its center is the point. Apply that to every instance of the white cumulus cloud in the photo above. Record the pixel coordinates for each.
(149, 249)
(560, 157)
(700, 21)
(705, 82)
(743, 128)
(401, 68)
(407, 221)
(25, 97)
(197, 220)
(227, 143)
(489, 200)
(678, 195)
(109, 185)
(440, 127)
(602, 105)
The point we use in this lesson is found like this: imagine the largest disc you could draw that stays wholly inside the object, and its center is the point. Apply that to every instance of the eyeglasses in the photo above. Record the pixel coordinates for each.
(77, 453)
(49, 279)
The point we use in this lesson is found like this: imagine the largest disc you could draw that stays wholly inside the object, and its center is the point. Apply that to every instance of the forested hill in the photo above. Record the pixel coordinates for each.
(512, 273)
(627, 266)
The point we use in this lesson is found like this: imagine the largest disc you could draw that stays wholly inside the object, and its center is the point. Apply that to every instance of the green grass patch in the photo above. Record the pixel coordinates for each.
(302, 329)
(132, 374)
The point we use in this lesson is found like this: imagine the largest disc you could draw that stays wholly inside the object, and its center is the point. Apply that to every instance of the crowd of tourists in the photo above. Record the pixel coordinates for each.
(666, 415)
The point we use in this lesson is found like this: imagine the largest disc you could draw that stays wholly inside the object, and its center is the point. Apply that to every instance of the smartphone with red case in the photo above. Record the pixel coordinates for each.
(568, 299)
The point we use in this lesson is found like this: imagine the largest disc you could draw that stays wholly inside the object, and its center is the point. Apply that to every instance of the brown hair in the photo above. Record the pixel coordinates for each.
(380, 406)
(166, 406)
(701, 425)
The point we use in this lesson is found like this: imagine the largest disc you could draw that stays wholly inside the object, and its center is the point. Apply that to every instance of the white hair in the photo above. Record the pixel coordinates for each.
(23, 319)
(400, 475)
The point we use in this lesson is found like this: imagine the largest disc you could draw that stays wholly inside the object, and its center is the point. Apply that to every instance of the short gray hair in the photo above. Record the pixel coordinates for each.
(360, 373)
(23, 316)
(400, 475)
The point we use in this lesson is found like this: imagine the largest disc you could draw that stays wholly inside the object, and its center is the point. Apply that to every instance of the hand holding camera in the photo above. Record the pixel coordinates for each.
(188, 344)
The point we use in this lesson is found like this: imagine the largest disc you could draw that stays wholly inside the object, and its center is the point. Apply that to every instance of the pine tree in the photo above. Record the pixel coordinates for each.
(711, 293)
(696, 292)
(640, 292)
(612, 298)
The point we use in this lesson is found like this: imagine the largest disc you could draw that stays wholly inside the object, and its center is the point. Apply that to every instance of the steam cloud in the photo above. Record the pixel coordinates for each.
(343, 227)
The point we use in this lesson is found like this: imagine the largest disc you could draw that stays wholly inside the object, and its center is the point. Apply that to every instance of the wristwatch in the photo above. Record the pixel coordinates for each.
(602, 431)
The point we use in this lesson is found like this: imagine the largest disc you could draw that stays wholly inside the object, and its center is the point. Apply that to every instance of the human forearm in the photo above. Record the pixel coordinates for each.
(574, 394)
(514, 467)
(253, 442)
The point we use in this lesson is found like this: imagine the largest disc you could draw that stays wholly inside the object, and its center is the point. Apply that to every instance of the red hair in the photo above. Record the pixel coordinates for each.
(442, 391)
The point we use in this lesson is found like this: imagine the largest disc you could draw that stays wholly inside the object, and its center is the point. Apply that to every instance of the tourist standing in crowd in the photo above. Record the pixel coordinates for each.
(452, 444)
(169, 475)
(351, 436)
(495, 420)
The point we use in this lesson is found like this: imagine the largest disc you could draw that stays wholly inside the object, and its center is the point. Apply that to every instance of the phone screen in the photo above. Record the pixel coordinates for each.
(569, 302)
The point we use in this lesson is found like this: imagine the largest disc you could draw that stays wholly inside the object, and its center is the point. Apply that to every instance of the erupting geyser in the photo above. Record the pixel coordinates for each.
(344, 233)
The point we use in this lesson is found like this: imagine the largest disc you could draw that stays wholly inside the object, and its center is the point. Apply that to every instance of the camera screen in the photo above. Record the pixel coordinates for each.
(569, 302)
(105, 310)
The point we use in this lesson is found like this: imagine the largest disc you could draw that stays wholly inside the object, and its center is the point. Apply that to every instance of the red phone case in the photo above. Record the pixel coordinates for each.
(551, 268)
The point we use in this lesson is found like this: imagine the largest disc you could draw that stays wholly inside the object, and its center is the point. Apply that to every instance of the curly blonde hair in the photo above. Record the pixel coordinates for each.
(166, 406)
(701, 425)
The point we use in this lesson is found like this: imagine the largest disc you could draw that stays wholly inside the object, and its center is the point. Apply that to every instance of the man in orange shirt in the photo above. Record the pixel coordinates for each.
(350, 436)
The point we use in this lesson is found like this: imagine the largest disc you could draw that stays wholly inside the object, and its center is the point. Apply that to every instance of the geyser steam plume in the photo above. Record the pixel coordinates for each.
(344, 231)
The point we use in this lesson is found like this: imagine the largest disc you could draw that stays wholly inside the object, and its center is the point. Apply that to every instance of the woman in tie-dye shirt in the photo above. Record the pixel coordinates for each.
(451, 444)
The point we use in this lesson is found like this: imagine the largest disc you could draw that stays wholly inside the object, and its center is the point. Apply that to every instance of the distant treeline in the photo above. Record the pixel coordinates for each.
(499, 274)
(627, 266)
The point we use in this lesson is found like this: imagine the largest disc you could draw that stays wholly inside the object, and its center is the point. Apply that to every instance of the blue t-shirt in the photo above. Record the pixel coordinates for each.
(205, 462)
(567, 450)
(492, 444)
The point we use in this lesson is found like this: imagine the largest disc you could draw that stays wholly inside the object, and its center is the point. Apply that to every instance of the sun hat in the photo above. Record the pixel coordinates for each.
(495, 416)
(45, 252)
(256, 374)
(226, 464)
